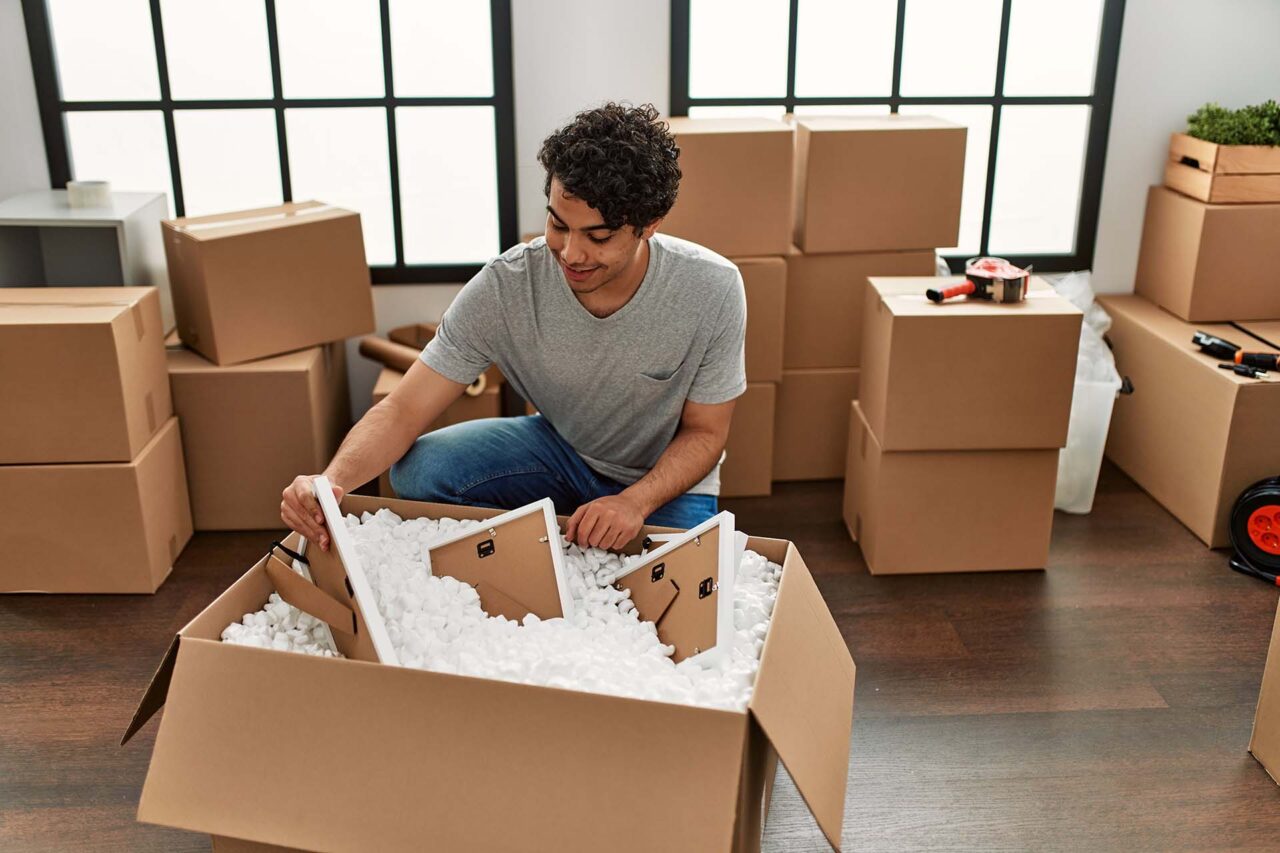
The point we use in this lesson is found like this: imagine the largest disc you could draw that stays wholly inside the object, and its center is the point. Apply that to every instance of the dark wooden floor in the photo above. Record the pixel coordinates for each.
(1105, 704)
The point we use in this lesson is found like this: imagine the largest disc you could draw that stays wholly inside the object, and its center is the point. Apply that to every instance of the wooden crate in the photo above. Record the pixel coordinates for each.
(1223, 174)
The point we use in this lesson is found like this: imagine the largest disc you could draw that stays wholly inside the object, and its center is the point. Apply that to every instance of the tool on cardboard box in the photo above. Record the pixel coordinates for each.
(989, 279)
(1243, 370)
(1227, 351)
(1255, 531)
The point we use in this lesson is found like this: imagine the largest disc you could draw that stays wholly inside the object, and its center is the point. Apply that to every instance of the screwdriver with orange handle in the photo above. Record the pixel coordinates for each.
(1227, 351)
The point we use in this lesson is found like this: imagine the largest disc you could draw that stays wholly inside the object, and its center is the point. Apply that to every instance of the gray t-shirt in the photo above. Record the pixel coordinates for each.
(613, 387)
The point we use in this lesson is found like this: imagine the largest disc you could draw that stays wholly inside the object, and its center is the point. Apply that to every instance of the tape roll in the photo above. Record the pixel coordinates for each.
(1255, 525)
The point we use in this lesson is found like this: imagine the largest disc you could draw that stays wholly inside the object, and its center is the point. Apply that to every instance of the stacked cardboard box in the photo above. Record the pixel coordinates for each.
(1190, 434)
(953, 446)
(735, 199)
(93, 493)
(874, 197)
(264, 299)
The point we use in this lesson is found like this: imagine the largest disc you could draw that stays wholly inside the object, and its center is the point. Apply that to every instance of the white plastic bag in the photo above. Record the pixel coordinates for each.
(1097, 384)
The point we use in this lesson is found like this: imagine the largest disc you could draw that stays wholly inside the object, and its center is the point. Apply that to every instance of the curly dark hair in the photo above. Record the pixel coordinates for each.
(619, 159)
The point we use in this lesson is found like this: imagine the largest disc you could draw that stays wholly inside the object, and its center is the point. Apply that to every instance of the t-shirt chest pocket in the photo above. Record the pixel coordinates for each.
(660, 387)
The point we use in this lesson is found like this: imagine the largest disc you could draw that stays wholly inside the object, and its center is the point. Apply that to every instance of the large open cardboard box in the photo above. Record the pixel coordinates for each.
(1192, 435)
(967, 374)
(82, 375)
(332, 754)
(255, 283)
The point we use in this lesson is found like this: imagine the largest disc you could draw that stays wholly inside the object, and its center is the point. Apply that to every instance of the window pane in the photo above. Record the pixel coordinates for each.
(230, 159)
(340, 156)
(844, 110)
(1039, 166)
(738, 48)
(127, 148)
(845, 49)
(949, 47)
(1053, 47)
(448, 184)
(977, 149)
(105, 49)
(330, 48)
(216, 50)
(442, 48)
(738, 112)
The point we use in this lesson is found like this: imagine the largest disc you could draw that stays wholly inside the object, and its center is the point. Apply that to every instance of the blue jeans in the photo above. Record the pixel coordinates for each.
(505, 463)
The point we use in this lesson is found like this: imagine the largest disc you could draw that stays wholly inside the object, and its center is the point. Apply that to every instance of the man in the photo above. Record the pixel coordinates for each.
(628, 342)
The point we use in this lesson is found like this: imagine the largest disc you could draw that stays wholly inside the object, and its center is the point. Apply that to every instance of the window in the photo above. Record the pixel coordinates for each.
(1032, 80)
(399, 109)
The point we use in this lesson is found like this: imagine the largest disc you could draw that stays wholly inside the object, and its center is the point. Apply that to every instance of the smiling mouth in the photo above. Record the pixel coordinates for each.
(576, 274)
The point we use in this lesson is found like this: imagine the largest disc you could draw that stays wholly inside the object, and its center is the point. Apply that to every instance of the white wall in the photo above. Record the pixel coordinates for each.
(573, 54)
(1174, 56)
(22, 162)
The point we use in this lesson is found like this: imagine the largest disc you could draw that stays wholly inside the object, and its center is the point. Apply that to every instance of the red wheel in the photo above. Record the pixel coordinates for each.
(1264, 528)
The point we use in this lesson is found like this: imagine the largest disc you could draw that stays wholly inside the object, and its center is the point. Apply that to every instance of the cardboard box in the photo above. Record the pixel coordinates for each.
(870, 183)
(919, 511)
(967, 374)
(263, 282)
(106, 527)
(1193, 436)
(735, 193)
(825, 298)
(409, 756)
(1223, 174)
(1265, 741)
(82, 374)
(487, 405)
(811, 424)
(747, 469)
(249, 429)
(1210, 262)
(765, 281)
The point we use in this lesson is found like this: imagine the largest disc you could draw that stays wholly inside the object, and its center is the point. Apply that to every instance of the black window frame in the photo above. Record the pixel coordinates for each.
(1095, 147)
(53, 109)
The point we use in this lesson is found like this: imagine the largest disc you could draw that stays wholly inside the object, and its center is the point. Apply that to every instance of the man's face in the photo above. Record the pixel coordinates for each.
(590, 254)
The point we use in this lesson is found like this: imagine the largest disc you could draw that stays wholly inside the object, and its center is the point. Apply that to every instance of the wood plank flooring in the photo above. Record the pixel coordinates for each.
(1105, 704)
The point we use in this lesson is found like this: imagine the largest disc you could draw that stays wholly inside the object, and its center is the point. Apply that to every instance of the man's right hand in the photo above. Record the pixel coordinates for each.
(300, 510)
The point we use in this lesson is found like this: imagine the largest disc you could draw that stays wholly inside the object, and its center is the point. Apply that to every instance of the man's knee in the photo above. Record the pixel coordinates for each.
(422, 474)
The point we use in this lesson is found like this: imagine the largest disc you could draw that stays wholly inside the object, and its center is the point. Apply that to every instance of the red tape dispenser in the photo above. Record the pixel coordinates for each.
(990, 279)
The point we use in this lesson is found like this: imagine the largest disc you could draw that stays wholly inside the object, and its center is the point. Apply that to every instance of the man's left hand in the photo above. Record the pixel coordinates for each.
(608, 522)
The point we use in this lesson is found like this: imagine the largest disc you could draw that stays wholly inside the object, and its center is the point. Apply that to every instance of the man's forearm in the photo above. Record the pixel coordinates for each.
(690, 457)
(379, 439)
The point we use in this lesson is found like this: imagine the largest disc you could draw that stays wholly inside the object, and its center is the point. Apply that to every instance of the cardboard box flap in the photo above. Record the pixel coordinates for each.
(699, 567)
(248, 221)
(805, 656)
(154, 696)
(519, 553)
(306, 596)
(248, 593)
